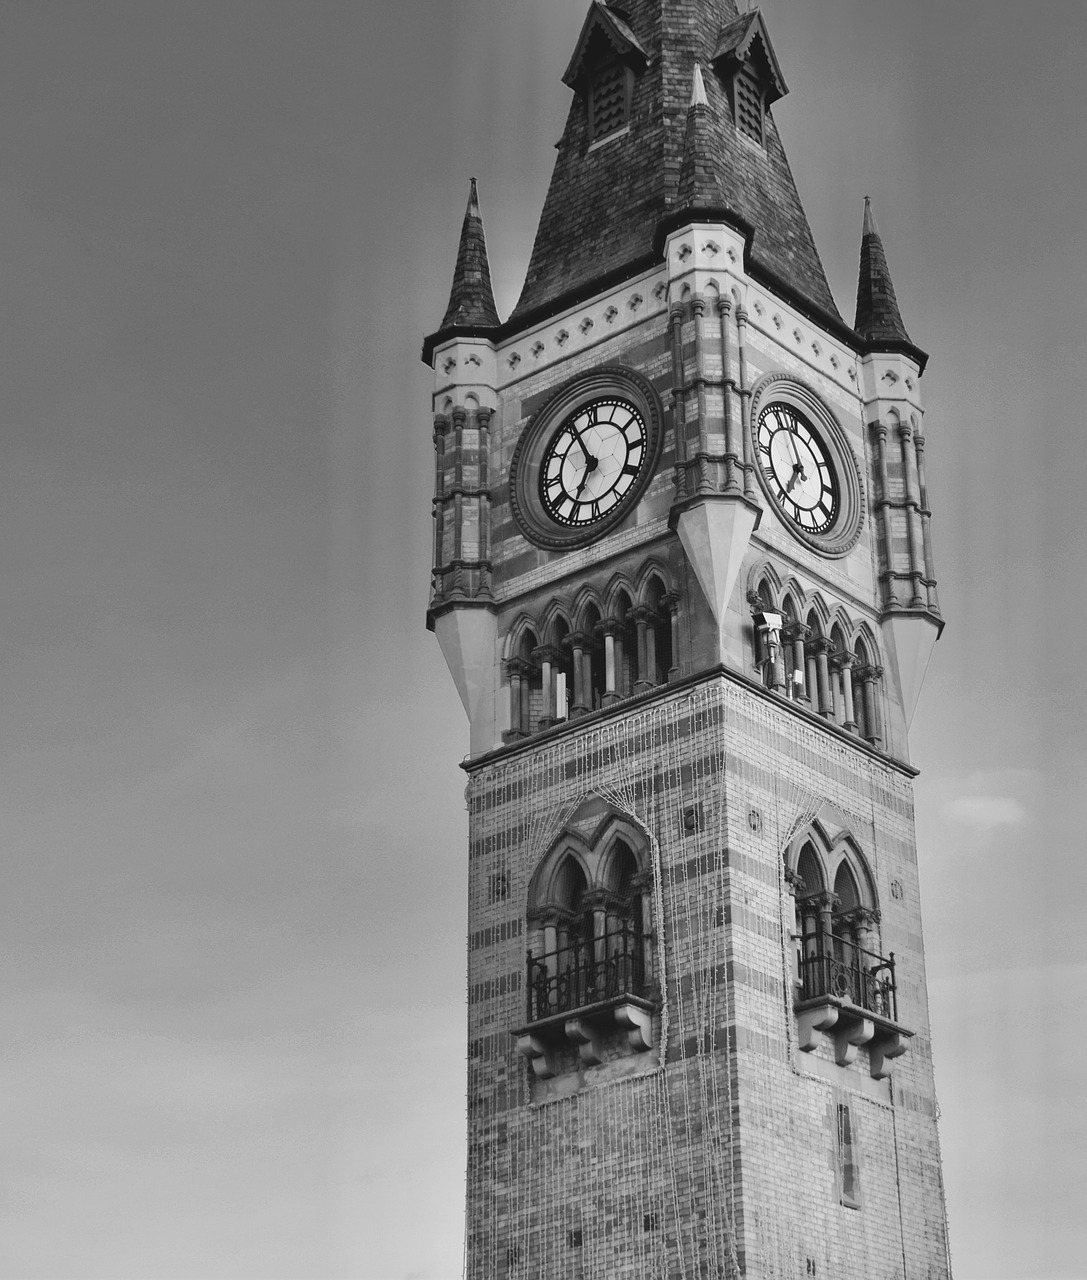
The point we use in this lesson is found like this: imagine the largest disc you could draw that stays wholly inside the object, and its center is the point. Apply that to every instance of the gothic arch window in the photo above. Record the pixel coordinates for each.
(836, 925)
(766, 641)
(525, 686)
(841, 662)
(659, 660)
(624, 650)
(589, 913)
(865, 677)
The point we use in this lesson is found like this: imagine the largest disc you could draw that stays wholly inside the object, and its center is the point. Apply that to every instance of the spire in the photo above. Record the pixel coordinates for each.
(699, 187)
(633, 157)
(471, 300)
(878, 317)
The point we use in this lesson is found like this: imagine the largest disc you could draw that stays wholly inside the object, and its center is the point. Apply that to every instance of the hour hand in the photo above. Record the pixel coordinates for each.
(798, 474)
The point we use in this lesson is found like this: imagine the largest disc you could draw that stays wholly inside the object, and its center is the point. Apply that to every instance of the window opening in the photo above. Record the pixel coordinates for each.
(847, 1161)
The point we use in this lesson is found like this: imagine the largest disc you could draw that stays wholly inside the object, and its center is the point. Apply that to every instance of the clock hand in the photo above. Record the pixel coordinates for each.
(798, 474)
(792, 446)
(590, 467)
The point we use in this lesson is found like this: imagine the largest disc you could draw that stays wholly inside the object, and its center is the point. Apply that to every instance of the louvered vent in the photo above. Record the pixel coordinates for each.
(748, 101)
(608, 100)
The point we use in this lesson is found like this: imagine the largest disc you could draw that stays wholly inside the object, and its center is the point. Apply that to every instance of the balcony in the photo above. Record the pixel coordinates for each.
(851, 995)
(581, 993)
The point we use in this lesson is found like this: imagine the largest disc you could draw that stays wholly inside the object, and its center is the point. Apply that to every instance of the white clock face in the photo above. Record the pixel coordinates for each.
(592, 462)
(797, 468)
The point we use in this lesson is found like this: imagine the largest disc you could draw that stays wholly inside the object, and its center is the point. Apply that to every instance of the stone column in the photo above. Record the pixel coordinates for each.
(640, 614)
(516, 672)
(793, 639)
(732, 461)
(611, 630)
(844, 665)
(745, 405)
(913, 517)
(820, 647)
(869, 678)
(579, 642)
(883, 503)
(549, 659)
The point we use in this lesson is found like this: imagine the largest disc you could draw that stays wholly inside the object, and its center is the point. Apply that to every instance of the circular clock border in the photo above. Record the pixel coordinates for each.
(842, 536)
(541, 529)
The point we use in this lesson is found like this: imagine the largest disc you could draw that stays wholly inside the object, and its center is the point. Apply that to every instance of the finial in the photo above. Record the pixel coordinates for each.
(869, 228)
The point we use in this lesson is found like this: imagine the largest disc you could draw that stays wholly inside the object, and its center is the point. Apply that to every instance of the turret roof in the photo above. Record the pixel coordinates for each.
(471, 299)
(878, 318)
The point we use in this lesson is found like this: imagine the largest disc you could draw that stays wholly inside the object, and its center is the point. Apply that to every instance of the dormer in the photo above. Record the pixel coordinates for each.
(745, 61)
(607, 58)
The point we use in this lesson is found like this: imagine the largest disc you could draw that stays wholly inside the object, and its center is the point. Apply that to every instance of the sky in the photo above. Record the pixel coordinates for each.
(232, 827)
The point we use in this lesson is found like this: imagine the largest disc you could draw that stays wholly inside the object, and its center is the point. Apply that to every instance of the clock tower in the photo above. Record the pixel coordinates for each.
(683, 581)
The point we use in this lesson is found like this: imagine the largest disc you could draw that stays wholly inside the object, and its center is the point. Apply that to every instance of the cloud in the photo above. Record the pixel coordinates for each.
(986, 813)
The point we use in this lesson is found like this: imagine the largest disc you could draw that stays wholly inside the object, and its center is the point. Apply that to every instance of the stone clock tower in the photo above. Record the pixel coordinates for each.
(683, 581)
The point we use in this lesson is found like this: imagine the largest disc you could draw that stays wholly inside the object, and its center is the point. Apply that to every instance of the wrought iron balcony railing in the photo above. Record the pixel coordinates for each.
(586, 973)
(851, 974)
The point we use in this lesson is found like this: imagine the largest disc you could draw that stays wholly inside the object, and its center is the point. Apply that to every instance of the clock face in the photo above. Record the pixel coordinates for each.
(797, 468)
(592, 462)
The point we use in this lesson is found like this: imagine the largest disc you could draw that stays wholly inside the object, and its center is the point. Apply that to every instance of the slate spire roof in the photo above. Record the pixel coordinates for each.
(471, 300)
(878, 318)
(610, 200)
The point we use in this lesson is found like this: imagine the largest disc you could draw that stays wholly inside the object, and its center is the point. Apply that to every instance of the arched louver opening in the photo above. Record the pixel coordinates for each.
(841, 661)
(594, 660)
(817, 664)
(626, 648)
(659, 633)
(563, 676)
(793, 666)
(531, 688)
(865, 676)
(766, 655)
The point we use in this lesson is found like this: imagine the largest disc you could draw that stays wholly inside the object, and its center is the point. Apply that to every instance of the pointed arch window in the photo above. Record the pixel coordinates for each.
(844, 987)
(590, 972)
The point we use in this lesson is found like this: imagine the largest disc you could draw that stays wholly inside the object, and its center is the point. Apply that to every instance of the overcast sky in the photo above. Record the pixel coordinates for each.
(233, 836)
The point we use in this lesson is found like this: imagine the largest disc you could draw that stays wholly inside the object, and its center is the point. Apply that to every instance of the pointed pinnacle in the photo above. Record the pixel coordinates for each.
(699, 186)
(471, 299)
(698, 88)
(878, 318)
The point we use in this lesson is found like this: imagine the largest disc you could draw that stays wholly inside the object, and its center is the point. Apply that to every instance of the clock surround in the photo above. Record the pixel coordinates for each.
(596, 440)
(834, 494)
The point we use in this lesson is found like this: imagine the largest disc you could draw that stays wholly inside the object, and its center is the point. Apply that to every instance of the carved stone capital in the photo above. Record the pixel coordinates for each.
(817, 645)
(547, 653)
(578, 640)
